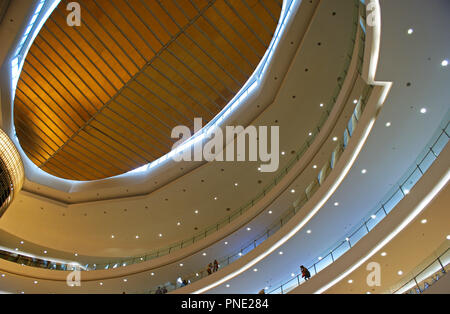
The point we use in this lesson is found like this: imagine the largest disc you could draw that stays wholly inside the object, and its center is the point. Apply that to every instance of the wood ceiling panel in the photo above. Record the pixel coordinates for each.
(101, 99)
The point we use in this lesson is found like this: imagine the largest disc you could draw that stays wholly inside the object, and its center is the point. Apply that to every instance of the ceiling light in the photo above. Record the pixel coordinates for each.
(292, 275)
(400, 273)
(355, 101)
(196, 274)
(347, 239)
(76, 254)
(321, 105)
(178, 223)
(248, 228)
(45, 252)
(320, 258)
(215, 198)
(204, 254)
(292, 191)
(336, 204)
(281, 252)
(315, 166)
(383, 254)
(227, 285)
(335, 139)
(35, 282)
(152, 274)
(308, 231)
(373, 216)
(448, 237)
(364, 171)
(226, 243)
(423, 110)
(410, 31)
(21, 242)
(236, 184)
(16, 249)
(266, 288)
(255, 269)
(283, 153)
(112, 236)
(310, 133)
(160, 235)
(424, 221)
(388, 124)
(406, 191)
(137, 237)
(259, 168)
(444, 63)
(3, 275)
(368, 292)
(181, 264)
(196, 211)
(240, 254)
(270, 212)
(101, 283)
(350, 281)
(125, 280)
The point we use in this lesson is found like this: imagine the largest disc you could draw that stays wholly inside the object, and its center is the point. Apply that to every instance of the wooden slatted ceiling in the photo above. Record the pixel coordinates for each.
(101, 99)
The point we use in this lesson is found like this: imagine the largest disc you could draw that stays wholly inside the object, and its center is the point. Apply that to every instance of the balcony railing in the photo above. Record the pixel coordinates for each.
(428, 156)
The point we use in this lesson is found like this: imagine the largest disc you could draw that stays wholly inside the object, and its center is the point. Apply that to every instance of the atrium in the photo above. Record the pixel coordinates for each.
(216, 146)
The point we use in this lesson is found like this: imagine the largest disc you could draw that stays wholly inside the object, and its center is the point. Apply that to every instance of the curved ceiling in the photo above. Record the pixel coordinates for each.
(101, 99)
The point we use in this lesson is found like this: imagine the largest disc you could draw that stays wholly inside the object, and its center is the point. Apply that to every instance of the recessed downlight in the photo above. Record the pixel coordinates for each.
(383, 253)
(248, 228)
(236, 184)
(410, 31)
(283, 153)
(181, 264)
(350, 281)
(270, 212)
(444, 63)
(321, 105)
(364, 171)
(292, 191)
(281, 252)
(423, 110)
(195, 211)
(152, 274)
(335, 139)
(204, 254)
(310, 134)
(388, 124)
(308, 231)
(216, 198)
(315, 166)
(112, 236)
(336, 204)
(35, 282)
(320, 258)
(448, 237)
(292, 275)
(400, 273)
(423, 221)
(227, 285)
(125, 280)
(373, 216)
(226, 243)
(101, 283)
(255, 269)
(355, 101)
(160, 235)
(137, 237)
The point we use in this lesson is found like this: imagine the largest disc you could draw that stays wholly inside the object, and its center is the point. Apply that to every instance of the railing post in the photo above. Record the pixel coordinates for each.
(442, 266)
(417, 285)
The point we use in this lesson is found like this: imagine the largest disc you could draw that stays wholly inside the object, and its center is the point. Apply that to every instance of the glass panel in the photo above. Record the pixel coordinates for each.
(355, 237)
(393, 201)
(440, 144)
(412, 179)
(341, 249)
(427, 161)
(327, 260)
(377, 218)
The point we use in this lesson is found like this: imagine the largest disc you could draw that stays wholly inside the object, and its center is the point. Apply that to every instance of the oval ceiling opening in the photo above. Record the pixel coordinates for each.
(100, 99)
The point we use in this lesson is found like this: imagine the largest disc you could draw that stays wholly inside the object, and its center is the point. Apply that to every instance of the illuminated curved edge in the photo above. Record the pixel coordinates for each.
(375, 31)
(419, 208)
(248, 88)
